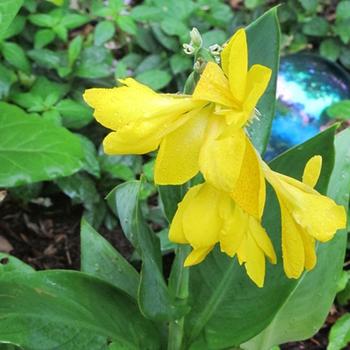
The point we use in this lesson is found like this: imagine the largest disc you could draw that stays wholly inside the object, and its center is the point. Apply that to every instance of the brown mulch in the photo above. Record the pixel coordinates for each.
(47, 237)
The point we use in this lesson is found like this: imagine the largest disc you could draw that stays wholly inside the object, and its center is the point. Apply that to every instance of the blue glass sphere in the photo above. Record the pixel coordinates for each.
(306, 85)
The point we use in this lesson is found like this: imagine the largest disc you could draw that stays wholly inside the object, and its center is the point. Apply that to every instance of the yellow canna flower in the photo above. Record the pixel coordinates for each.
(306, 216)
(227, 159)
(190, 132)
(221, 221)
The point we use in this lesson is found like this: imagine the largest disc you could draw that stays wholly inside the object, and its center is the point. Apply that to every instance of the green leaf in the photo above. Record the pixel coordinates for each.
(72, 311)
(91, 164)
(104, 31)
(215, 36)
(52, 151)
(263, 44)
(43, 37)
(8, 11)
(317, 26)
(42, 20)
(127, 24)
(330, 49)
(343, 10)
(291, 322)
(252, 4)
(172, 26)
(342, 28)
(74, 49)
(100, 259)
(80, 188)
(180, 63)
(170, 197)
(224, 302)
(95, 63)
(339, 336)
(167, 41)
(310, 5)
(340, 110)
(16, 56)
(7, 78)
(74, 20)
(146, 13)
(154, 298)
(9, 265)
(155, 78)
(16, 27)
(46, 58)
(74, 114)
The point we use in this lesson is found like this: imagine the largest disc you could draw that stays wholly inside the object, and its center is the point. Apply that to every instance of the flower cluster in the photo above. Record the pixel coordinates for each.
(206, 132)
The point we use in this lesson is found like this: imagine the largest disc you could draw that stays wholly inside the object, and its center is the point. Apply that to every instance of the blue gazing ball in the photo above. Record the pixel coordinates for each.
(306, 85)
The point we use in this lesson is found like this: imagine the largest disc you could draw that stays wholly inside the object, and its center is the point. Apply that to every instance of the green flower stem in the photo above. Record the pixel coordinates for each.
(180, 288)
(212, 303)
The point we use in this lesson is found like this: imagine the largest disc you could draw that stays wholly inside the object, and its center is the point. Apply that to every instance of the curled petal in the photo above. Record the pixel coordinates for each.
(197, 256)
(312, 171)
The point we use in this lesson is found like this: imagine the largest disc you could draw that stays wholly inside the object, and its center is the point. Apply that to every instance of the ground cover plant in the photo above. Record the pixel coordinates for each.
(55, 172)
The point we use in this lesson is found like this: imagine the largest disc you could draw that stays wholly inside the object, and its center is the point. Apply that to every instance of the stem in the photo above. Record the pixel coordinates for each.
(180, 277)
(212, 303)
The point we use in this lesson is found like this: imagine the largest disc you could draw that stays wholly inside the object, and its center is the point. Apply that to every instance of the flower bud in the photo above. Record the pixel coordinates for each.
(196, 38)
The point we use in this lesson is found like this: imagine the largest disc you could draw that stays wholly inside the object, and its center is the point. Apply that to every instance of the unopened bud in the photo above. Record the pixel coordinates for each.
(196, 38)
(188, 49)
(215, 49)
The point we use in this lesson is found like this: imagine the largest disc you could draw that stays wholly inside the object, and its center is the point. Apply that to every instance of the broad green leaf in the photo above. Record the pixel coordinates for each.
(172, 26)
(70, 310)
(339, 336)
(104, 31)
(169, 42)
(91, 163)
(340, 110)
(8, 11)
(317, 26)
(7, 78)
(155, 78)
(146, 13)
(74, 49)
(149, 63)
(74, 20)
(180, 63)
(16, 27)
(154, 298)
(330, 49)
(80, 188)
(42, 20)
(9, 265)
(15, 55)
(95, 62)
(263, 44)
(127, 24)
(227, 308)
(291, 322)
(343, 10)
(43, 37)
(170, 197)
(46, 58)
(100, 259)
(74, 114)
(215, 36)
(32, 149)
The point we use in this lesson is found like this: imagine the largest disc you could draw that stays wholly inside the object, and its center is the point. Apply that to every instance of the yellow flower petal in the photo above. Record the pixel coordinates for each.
(309, 250)
(220, 160)
(213, 86)
(312, 171)
(249, 192)
(234, 227)
(197, 256)
(234, 62)
(262, 239)
(292, 245)
(257, 80)
(117, 143)
(177, 159)
(176, 231)
(238, 65)
(201, 220)
(140, 116)
(255, 264)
